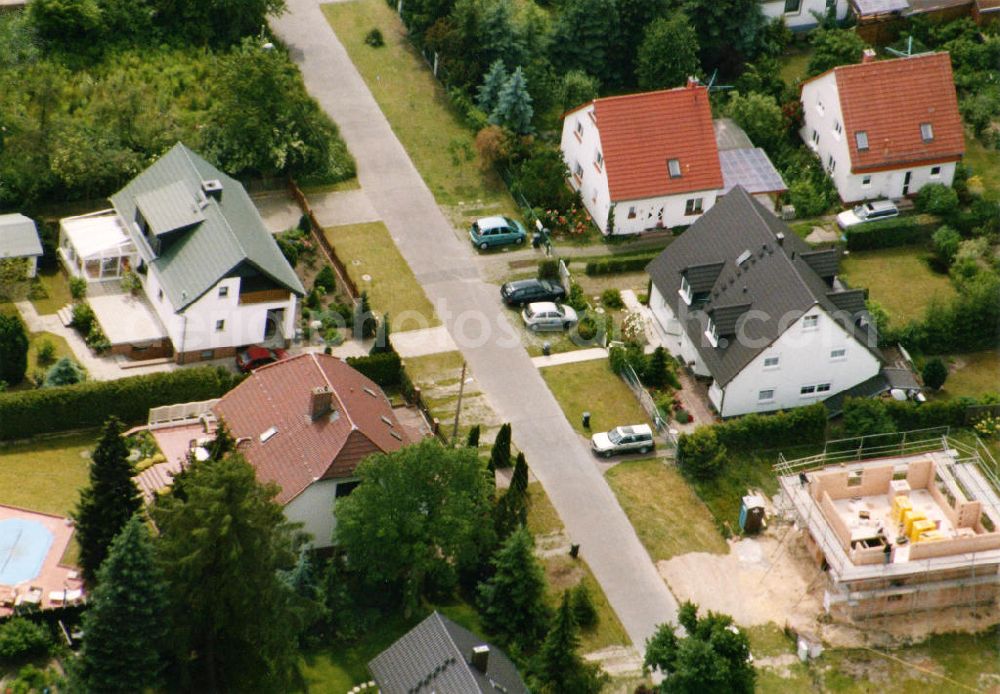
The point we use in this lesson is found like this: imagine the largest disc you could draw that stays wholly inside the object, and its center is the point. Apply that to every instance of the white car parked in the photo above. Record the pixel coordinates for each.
(631, 439)
(545, 315)
(867, 212)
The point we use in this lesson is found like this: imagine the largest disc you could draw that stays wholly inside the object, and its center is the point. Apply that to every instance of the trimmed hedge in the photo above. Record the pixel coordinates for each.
(889, 233)
(908, 415)
(386, 368)
(801, 425)
(87, 405)
(612, 265)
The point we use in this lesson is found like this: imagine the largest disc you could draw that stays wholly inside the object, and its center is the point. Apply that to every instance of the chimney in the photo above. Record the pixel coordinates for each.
(692, 82)
(322, 397)
(212, 188)
(480, 658)
(781, 238)
(868, 56)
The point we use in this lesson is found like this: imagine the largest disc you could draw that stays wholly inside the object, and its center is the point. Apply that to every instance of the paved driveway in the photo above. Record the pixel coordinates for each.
(472, 312)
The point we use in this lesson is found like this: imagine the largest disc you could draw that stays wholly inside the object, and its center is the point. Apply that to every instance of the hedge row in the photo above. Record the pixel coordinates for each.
(85, 405)
(908, 415)
(801, 425)
(612, 265)
(888, 233)
(385, 368)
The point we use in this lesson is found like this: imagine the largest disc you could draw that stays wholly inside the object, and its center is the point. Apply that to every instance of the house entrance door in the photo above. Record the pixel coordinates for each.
(906, 183)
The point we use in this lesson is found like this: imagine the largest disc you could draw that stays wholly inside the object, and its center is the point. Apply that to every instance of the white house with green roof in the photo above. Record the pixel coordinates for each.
(209, 268)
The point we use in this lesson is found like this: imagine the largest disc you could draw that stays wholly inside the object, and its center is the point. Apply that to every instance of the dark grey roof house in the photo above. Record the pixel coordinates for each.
(442, 657)
(743, 300)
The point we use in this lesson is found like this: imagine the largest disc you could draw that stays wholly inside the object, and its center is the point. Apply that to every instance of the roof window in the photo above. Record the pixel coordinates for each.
(861, 137)
(674, 167)
(927, 132)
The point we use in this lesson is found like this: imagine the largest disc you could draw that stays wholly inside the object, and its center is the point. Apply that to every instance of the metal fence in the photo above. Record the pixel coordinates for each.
(661, 424)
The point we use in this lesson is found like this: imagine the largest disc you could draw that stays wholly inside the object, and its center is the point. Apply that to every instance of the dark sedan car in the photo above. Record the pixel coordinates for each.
(256, 356)
(530, 291)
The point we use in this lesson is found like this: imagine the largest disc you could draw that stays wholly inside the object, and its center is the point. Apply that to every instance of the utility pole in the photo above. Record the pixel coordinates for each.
(458, 407)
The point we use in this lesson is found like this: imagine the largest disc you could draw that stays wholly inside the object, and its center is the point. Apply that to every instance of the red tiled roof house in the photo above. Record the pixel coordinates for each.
(651, 156)
(885, 128)
(305, 423)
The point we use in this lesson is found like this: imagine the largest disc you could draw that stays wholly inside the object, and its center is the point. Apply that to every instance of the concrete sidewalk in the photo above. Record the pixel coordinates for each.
(471, 310)
(419, 343)
(573, 357)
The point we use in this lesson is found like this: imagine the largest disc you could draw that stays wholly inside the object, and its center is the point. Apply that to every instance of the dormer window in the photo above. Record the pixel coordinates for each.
(861, 137)
(927, 132)
(685, 290)
(674, 167)
(712, 333)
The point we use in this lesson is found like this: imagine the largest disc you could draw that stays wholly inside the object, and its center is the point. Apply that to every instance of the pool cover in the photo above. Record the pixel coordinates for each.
(23, 547)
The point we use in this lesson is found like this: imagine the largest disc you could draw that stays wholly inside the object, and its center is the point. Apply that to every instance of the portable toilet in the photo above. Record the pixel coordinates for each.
(752, 514)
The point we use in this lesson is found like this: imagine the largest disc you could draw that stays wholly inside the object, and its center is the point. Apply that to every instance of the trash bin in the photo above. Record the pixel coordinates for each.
(546, 349)
(586, 420)
(536, 240)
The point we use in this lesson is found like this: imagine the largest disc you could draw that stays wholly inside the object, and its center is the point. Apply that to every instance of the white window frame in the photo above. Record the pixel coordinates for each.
(861, 140)
(775, 365)
(712, 333)
(685, 290)
(838, 354)
(831, 163)
(866, 181)
(578, 172)
(694, 206)
(578, 131)
(819, 106)
(927, 132)
(823, 388)
(838, 129)
(674, 168)
(798, 7)
(762, 398)
(223, 292)
(808, 391)
(810, 322)
(935, 172)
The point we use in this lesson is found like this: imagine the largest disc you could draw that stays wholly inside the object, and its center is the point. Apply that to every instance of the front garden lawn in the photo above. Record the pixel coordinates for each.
(667, 515)
(591, 386)
(46, 474)
(368, 251)
(899, 279)
(417, 107)
(50, 291)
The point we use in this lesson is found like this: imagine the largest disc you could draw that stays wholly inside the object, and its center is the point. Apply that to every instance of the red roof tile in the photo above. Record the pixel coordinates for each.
(303, 451)
(641, 132)
(889, 100)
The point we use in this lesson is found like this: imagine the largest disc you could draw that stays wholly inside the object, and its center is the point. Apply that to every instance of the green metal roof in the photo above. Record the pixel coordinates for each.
(229, 233)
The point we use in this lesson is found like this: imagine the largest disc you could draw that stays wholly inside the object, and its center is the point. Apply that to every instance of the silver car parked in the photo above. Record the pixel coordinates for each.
(629, 439)
(546, 315)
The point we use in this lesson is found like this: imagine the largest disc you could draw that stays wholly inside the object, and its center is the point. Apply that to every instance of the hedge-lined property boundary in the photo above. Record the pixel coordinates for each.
(612, 265)
(889, 233)
(802, 425)
(385, 368)
(87, 405)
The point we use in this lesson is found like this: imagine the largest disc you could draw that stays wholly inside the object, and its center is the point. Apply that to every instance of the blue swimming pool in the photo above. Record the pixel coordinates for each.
(23, 547)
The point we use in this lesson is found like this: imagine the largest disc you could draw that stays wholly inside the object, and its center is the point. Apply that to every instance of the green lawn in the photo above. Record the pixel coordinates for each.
(369, 251)
(794, 64)
(438, 377)
(667, 515)
(46, 474)
(973, 375)
(984, 165)
(562, 572)
(51, 292)
(415, 104)
(899, 279)
(591, 386)
(542, 516)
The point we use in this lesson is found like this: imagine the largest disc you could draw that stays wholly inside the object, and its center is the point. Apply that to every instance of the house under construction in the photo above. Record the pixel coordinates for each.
(902, 522)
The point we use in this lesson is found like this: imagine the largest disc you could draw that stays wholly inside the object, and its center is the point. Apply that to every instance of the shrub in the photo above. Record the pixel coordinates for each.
(617, 358)
(77, 287)
(325, 280)
(807, 198)
(682, 416)
(45, 352)
(700, 455)
(867, 416)
(541, 179)
(583, 607)
(577, 87)
(83, 318)
(934, 373)
(87, 405)
(577, 299)
(374, 38)
(612, 298)
(65, 372)
(384, 368)
(938, 199)
(21, 639)
(96, 339)
(659, 372)
(946, 241)
(548, 269)
(888, 233)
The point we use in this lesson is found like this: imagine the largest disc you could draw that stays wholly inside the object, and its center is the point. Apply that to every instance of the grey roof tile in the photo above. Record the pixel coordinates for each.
(18, 237)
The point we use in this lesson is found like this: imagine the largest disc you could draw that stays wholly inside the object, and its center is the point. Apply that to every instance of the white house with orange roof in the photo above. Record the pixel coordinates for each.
(884, 128)
(800, 15)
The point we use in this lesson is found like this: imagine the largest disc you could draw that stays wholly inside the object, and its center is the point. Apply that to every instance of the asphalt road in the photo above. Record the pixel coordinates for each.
(471, 310)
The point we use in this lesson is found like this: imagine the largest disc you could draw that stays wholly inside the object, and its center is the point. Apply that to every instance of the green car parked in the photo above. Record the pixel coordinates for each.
(496, 231)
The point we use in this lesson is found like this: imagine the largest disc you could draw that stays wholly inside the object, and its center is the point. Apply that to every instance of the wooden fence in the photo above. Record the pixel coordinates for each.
(328, 250)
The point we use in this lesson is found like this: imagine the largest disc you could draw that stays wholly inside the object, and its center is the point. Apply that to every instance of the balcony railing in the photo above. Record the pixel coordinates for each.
(263, 296)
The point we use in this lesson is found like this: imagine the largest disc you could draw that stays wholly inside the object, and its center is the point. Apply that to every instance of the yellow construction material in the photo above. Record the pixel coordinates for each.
(920, 527)
(910, 516)
(899, 503)
(931, 536)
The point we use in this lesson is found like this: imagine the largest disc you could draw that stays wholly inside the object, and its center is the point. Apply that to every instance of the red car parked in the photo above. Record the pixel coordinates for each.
(256, 356)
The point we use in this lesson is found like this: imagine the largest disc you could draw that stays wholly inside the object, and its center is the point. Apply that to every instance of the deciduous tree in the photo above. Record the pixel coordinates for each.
(586, 37)
(13, 349)
(419, 519)
(124, 623)
(108, 502)
(730, 32)
(833, 47)
(668, 54)
(760, 116)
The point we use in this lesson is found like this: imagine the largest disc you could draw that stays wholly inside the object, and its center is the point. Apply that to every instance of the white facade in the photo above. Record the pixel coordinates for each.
(824, 132)
(805, 364)
(314, 509)
(581, 148)
(197, 327)
(798, 14)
